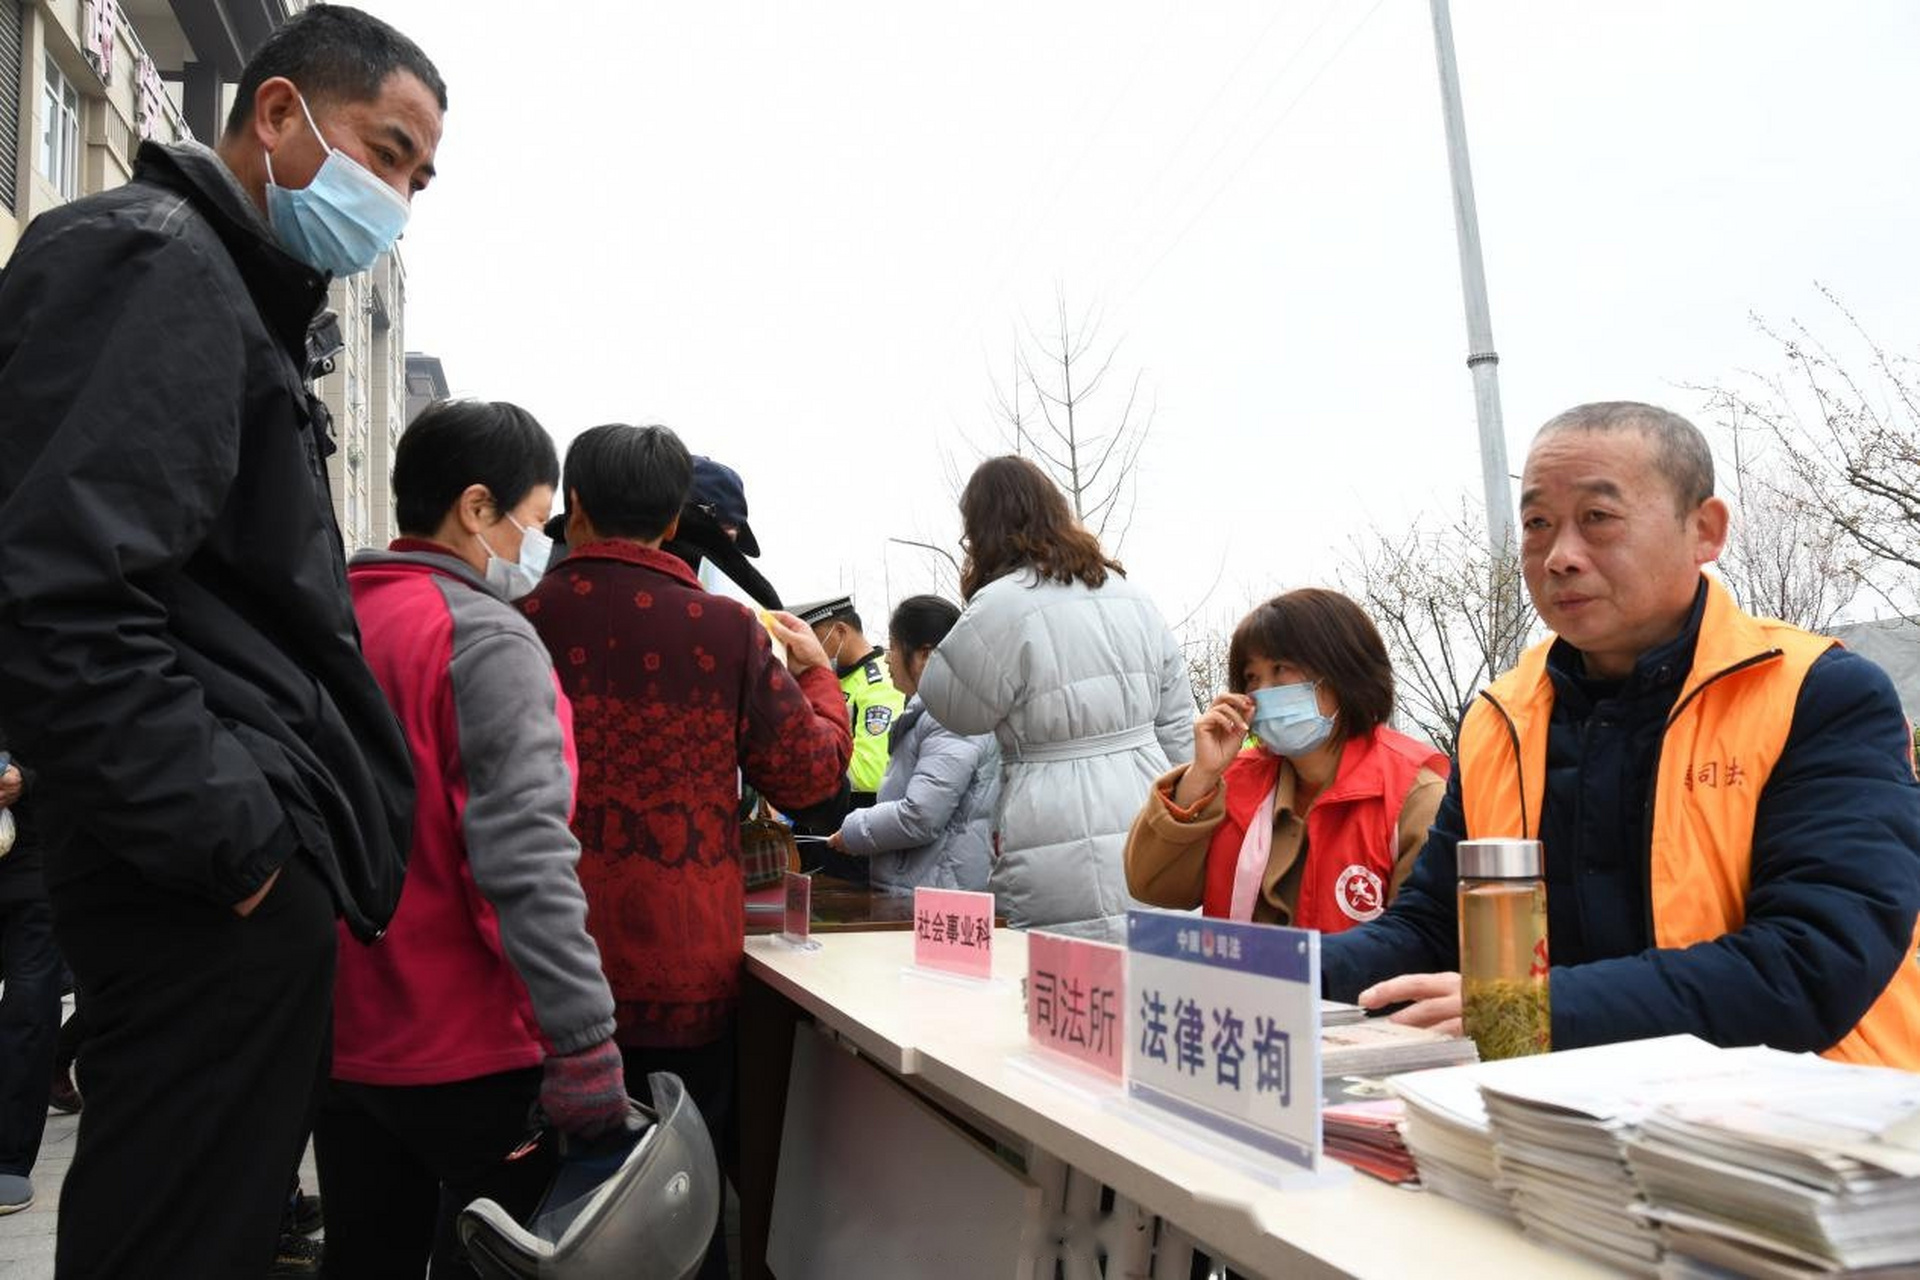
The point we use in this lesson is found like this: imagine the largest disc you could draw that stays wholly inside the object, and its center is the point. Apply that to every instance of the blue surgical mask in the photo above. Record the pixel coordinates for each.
(1287, 719)
(342, 220)
(514, 579)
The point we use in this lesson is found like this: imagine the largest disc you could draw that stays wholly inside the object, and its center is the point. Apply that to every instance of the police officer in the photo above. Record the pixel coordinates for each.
(872, 703)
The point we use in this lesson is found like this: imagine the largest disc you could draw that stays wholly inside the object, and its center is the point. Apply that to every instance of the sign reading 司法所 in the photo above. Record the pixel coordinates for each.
(1077, 1000)
(953, 930)
(1225, 1028)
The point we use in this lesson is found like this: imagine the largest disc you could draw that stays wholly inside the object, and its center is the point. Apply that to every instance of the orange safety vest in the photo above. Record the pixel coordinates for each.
(1723, 737)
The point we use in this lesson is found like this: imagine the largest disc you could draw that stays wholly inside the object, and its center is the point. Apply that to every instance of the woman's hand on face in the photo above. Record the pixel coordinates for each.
(1219, 733)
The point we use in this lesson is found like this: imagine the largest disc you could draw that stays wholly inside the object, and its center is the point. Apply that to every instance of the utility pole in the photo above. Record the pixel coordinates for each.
(1482, 361)
(1481, 358)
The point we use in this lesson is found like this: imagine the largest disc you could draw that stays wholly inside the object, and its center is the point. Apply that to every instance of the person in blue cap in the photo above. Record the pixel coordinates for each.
(716, 540)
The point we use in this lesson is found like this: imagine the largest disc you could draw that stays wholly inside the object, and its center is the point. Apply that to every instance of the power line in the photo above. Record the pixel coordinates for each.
(1147, 50)
(1255, 150)
(1246, 117)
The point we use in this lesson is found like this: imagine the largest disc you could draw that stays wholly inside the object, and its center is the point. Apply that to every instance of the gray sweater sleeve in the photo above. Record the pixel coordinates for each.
(513, 732)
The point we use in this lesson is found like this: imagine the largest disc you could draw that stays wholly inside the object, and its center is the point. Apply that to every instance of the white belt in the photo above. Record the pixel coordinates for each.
(1100, 744)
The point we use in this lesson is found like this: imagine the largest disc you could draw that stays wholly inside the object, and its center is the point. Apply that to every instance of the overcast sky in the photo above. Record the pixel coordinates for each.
(807, 237)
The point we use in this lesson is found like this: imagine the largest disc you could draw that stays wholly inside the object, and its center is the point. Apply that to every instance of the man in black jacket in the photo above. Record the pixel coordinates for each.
(219, 775)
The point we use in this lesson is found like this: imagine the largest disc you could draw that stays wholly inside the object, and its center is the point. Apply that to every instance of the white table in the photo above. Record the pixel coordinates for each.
(963, 1048)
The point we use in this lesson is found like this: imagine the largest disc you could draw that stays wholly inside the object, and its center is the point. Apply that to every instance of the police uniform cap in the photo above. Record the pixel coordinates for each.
(823, 611)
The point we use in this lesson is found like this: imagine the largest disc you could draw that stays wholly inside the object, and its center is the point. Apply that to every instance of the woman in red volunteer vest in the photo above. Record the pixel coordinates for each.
(1317, 825)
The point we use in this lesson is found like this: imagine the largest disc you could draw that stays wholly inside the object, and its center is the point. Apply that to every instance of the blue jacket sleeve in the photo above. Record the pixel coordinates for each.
(1420, 932)
(942, 773)
(1835, 886)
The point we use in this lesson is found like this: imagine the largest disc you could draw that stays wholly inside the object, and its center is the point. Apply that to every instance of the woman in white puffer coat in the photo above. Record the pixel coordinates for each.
(1076, 674)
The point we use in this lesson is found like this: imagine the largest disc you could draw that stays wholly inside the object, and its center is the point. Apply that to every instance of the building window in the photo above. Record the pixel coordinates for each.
(12, 67)
(60, 138)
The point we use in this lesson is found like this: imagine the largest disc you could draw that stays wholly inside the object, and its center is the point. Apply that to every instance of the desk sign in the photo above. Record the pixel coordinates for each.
(953, 931)
(1226, 1028)
(796, 919)
(1077, 1000)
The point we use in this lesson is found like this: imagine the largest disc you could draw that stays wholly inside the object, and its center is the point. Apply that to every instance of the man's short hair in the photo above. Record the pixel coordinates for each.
(1680, 451)
(457, 443)
(629, 481)
(333, 53)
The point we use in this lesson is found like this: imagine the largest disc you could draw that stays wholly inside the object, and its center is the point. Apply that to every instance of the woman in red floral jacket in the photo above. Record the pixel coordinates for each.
(676, 693)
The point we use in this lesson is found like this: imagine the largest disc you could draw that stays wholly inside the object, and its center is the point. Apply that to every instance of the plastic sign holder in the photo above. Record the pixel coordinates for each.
(953, 932)
(796, 916)
(1226, 1029)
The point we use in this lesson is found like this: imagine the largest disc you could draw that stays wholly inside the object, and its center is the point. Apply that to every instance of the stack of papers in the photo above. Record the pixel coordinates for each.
(1366, 1134)
(1338, 1013)
(1360, 1123)
(1801, 1168)
(1560, 1123)
(1446, 1130)
(1376, 1047)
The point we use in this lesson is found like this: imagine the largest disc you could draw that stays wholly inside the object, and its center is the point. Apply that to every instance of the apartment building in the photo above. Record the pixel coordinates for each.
(367, 394)
(84, 82)
(426, 382)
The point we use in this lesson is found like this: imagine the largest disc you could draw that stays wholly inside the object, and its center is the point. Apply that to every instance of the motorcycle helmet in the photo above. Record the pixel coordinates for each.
(639, 1204)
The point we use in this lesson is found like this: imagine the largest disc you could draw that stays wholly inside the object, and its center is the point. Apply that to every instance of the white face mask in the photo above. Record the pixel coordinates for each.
(514, 579)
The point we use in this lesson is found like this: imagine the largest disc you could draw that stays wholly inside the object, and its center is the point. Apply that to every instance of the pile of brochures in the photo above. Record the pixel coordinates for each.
(1802, 1167)
(1676, 1158)
(1361, 1122)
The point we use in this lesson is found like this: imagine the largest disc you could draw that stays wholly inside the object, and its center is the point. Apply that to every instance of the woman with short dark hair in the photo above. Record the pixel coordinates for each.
(485, 996)
(1316, 825)
(1072, 668)
(932, 821)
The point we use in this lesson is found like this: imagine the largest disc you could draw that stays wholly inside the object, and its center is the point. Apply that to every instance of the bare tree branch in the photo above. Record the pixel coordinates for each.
(1843, 504)
(1095, 466)
(1451, 612)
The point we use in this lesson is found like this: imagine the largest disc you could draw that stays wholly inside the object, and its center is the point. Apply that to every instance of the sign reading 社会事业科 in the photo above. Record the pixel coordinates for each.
(953, 931)
(1077, 1000)
(1225, 1028)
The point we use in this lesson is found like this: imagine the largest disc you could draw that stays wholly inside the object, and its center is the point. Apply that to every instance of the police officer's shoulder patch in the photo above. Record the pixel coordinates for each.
(874, 674)
(879, 719)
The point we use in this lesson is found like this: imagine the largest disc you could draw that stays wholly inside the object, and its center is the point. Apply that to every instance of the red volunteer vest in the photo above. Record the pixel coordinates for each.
(1353, 828)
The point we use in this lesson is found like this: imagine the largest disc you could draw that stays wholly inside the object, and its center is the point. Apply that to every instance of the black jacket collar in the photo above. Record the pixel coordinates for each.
(287, 291)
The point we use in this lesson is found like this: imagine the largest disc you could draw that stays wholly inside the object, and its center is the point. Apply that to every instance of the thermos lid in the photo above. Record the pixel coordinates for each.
(1504, 859)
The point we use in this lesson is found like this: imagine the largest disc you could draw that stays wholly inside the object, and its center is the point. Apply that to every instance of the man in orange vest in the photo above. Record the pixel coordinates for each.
(1727, 805)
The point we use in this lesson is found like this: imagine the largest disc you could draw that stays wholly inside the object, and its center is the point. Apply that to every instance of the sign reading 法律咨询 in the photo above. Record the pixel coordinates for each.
(1225, 1028)
(1077, 1000)
(953, 931)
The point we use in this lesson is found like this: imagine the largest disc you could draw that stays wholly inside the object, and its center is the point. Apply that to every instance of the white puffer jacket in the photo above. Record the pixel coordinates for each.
(1088, 694)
